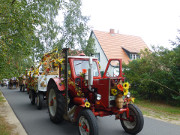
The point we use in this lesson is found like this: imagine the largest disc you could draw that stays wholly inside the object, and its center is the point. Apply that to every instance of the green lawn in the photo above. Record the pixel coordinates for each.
(159, 110)
(1, 98)
(4, 128)
(159, 107)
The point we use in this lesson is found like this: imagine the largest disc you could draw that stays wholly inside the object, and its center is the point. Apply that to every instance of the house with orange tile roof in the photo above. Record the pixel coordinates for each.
(114, 45)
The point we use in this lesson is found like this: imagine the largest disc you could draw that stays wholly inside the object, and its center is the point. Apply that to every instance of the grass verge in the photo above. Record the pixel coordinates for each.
(159, 110)
(1, 98)
(5, 128)
(161, 107)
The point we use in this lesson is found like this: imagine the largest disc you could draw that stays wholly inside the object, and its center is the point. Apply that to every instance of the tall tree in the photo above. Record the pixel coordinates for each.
(74, 30)
(17, 25)
(28, 28)
(20, 23)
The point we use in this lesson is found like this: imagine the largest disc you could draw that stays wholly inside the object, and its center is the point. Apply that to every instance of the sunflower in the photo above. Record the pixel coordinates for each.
(126, 85)
(87, 104)
(125, 92)
(114, 92)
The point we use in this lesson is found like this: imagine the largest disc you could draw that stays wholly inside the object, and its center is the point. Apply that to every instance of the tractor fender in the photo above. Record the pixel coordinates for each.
(57, 82)
(79, 101)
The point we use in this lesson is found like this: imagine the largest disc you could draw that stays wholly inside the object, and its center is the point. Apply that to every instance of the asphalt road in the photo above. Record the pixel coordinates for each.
(37, 122)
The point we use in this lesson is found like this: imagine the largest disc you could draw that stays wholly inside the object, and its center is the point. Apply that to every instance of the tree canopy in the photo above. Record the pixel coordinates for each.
(28, 28)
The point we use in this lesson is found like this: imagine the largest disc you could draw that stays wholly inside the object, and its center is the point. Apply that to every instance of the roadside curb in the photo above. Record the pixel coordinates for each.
(11, 118)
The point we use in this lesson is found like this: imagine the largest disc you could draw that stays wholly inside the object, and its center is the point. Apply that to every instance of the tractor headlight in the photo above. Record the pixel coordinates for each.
(129, 94)
(98, 97)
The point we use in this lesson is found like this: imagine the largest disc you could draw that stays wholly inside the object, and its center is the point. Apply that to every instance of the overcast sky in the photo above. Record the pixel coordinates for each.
(155, 21)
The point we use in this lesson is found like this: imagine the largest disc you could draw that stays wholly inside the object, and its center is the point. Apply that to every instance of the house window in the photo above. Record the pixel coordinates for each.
(134, 56)
(97, 55)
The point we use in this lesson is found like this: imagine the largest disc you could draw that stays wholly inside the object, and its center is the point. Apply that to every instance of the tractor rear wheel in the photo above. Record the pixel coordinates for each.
(56, 104)
(87, 123)
(39, 100)
(135, 123)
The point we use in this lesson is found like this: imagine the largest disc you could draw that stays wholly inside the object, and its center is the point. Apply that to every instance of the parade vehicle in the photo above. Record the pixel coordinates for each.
(80, 94)
(38, 79)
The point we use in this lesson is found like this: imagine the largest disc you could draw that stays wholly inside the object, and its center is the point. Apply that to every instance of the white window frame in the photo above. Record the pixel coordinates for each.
(134, 56)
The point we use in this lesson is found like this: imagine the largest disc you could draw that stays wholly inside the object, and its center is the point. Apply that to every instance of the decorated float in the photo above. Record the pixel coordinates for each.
(79, 94)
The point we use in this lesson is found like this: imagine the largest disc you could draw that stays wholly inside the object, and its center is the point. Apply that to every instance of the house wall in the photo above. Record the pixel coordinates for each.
(98, 49)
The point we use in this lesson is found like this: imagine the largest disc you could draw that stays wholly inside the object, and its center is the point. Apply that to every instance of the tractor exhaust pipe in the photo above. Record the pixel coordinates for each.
(65, 50)
(90, 73)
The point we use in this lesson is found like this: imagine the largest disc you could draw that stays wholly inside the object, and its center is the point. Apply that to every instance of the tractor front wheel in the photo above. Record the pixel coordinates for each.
(87, 123)
(56, 104)
(135, 122)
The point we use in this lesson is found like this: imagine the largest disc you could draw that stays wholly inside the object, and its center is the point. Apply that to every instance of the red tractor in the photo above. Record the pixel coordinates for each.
(80, 94)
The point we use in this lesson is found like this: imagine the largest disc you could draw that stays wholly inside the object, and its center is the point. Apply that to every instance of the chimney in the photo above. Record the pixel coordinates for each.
(111, 31)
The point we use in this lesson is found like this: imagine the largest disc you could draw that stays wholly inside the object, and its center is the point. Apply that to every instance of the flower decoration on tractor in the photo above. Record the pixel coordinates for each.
(114, 92)
(82, 74)
(121, 91)
(126, 86)
(125, 92)
(87, 104)
(120, 87)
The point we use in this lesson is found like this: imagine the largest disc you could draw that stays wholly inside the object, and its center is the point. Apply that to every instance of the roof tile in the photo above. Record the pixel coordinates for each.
(113, 44)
